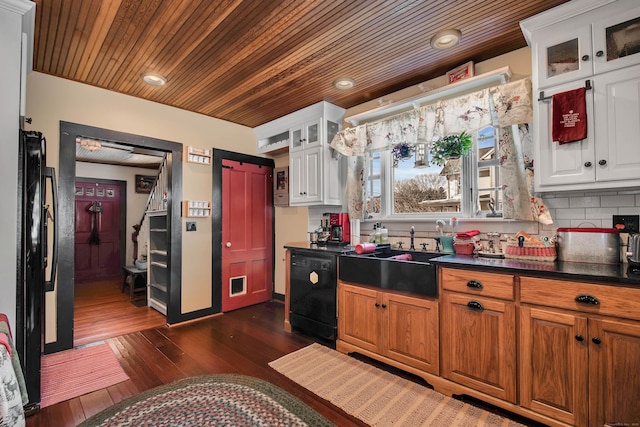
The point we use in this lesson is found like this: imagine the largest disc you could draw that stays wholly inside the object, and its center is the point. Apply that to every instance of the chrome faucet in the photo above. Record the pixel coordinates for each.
(411, 233)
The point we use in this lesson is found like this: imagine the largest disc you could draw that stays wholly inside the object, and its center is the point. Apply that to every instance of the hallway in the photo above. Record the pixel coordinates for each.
(102, 311)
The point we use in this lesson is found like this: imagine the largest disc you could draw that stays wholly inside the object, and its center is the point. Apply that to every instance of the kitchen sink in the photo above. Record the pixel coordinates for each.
(379, 269)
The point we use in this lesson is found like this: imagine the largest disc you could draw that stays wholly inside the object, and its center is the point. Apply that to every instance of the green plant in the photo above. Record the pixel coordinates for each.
(450, 147)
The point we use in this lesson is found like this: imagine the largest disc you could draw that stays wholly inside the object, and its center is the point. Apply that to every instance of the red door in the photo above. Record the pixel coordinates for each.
(97, 232)
(247, 234)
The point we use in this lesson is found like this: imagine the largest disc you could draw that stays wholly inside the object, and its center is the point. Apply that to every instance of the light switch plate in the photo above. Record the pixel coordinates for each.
(627, 223)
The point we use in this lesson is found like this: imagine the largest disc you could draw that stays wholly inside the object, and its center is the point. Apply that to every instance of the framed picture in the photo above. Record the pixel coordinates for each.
(144, 183)
(460, 73)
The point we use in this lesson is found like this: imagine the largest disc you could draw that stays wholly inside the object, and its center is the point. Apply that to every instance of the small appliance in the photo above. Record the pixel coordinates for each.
(339, 228)
(633, 251)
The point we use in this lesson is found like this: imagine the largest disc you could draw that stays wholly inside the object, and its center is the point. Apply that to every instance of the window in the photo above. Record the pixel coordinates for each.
(466, 187)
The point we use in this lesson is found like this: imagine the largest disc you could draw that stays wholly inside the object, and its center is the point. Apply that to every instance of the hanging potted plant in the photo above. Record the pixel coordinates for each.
(401, 151)
(450, 147)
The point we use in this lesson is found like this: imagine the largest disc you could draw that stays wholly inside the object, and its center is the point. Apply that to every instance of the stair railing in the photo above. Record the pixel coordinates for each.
(157, 201)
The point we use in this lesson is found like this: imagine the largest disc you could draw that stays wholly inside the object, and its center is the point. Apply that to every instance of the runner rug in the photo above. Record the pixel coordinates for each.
(79, 371)
(210, 400)
(375, 396)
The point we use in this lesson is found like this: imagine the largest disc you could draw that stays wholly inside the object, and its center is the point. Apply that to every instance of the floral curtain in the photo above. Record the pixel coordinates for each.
(505, 106)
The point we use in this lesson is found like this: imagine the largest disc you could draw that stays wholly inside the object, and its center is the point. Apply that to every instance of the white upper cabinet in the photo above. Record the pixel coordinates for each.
(583, 38)
(316, 172)
(593, 44)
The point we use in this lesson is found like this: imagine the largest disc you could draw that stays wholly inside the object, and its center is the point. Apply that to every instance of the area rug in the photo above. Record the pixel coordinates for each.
(375, 396)
(79, 371)
(211, 400)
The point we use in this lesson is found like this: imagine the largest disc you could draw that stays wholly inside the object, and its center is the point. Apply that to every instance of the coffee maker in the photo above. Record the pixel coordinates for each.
(340, 229)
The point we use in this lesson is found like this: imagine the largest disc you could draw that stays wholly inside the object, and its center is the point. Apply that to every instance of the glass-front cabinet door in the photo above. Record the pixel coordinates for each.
(306, 135)
(616, 40)
(563, 54)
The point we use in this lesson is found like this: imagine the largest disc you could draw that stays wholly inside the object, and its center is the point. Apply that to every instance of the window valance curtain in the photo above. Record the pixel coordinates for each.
(508, 107)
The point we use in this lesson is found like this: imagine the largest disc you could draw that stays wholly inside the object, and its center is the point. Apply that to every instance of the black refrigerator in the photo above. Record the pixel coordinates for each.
(34, 249)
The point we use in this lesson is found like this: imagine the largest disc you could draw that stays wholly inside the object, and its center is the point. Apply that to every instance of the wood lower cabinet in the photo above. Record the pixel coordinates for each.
(578, 365)
(397, 326)
(479, 343)
(553, 364)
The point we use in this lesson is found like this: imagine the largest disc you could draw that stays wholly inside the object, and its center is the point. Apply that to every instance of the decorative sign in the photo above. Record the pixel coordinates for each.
(460, 73)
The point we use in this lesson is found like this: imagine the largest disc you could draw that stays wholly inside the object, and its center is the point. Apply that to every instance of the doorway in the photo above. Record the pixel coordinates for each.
(247, 230)
(65, 284)
(223, 265)
(100, 223)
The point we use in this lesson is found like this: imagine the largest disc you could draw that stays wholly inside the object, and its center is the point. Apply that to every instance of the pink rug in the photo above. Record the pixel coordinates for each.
(72, 373)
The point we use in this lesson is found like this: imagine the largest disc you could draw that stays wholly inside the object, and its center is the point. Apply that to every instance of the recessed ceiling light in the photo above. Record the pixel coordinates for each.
(154, 79)
(344, 83)
(446, 39)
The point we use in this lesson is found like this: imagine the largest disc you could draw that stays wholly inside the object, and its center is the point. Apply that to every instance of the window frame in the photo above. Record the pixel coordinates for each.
(470, 165)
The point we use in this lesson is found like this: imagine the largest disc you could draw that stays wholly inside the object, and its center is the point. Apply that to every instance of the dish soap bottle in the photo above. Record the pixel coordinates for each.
(384, 235)
(372, 236)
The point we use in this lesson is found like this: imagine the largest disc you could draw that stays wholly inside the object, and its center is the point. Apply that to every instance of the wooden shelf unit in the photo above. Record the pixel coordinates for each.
(196, 209)
(199, 155)
(159, 266)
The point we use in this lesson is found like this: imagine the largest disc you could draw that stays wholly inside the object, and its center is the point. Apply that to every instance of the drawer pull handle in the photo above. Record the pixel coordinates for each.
(596, 340)
(475, 305)
(579, 338)
(474, 284)
(587, 299)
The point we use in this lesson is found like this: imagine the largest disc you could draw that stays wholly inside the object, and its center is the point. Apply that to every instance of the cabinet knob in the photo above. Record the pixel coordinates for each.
(602, 162)
(579, 338)
(596, 340)
(475, 305)
(587, 164)
(228, 244)
(377, 305)
(599, 53)
(384, 305)
(585, 57)
(474, 284)
(587, 299)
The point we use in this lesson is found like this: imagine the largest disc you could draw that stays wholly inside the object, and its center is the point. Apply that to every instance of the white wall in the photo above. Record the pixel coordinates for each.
(10, 46)
(51, 99)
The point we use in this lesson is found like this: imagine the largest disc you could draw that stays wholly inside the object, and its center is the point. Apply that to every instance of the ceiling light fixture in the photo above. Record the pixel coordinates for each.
(90, 144)
(446, 39)
(344, 83)
(154, 79)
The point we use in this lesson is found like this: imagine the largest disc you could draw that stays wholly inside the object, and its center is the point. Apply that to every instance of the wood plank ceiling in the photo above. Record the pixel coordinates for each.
(251, 61)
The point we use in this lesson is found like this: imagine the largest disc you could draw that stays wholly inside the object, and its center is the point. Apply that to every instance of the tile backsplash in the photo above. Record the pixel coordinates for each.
(568, 209)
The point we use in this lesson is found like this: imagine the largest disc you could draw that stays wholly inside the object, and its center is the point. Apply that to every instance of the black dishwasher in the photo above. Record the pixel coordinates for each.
(313, 289)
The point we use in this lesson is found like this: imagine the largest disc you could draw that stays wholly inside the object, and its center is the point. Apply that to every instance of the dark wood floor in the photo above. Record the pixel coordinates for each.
(243, 342)
(102, 311)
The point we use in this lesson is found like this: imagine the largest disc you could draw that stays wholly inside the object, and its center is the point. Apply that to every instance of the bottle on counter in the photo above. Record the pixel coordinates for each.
(384, 235)
(372, 236)
(365, 248)
(378, 237)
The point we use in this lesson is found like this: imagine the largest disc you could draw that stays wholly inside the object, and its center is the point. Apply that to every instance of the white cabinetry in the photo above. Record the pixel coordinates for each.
(159, 265)
(594, 43)
(16, 42)
(316, 173)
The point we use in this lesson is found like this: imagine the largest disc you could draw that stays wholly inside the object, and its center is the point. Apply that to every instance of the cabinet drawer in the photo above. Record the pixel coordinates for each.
(478, 283)
(599, 299)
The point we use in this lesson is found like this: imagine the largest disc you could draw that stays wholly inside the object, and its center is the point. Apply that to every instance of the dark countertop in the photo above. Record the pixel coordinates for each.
(602, 273)
(605, 273)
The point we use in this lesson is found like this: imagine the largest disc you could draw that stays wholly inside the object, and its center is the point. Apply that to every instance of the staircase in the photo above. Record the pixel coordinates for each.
(157, 201)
